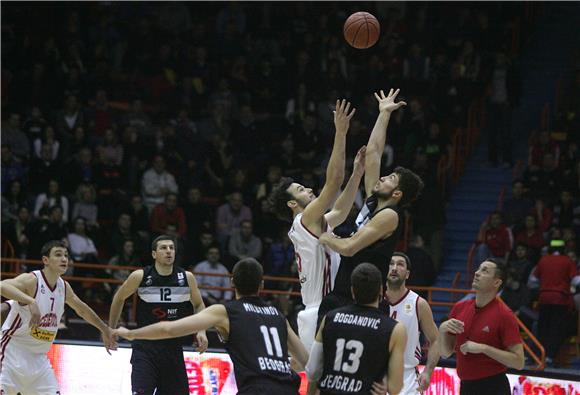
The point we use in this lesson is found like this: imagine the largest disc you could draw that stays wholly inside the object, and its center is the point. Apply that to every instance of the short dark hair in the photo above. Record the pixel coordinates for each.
(162, 238)
(405, 257)
(410, 184)
(247, 276)
(48, 246)
(366, 283)
(501, 271)
(279, 197)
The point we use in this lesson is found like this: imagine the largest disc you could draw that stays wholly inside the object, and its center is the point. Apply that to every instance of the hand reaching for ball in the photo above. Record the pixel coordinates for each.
(387, 103)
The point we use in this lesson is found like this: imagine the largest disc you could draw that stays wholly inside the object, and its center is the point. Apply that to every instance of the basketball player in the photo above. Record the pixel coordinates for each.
(378, 223)
(31, 326)
(413, 312)
(357, 345)
(293, 202)
(257, 336)
(166, 293)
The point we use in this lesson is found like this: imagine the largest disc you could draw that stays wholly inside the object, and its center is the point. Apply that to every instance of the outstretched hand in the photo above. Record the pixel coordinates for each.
(387, 103)
(341, 116)
(359, 160)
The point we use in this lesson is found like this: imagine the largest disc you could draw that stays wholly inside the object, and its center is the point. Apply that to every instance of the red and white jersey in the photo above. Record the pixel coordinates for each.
(406, 311)
(50, 301)
(317, 265)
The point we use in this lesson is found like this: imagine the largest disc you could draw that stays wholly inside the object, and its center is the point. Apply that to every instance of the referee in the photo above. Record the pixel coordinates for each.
(484, 334)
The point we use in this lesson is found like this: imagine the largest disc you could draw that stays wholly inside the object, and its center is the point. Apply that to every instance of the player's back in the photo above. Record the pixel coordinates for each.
(15, 329)
(356, 349)
(317, 265)
(258, 347)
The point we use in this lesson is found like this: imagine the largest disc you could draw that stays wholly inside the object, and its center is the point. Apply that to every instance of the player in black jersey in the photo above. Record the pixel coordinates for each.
(166, 293)
(257, 336)
(379, 225)
(357, 345)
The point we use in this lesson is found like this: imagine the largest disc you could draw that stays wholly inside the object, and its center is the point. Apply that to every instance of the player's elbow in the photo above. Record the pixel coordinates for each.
(395, 387)
(519, 363)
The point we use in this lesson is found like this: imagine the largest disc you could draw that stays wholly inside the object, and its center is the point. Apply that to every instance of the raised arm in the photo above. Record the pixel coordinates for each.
(335, 168)
(380, 226)
(128, 288)
(89, 315)
(376, 144)
(345, 201)
(213, 316)
(431, 332)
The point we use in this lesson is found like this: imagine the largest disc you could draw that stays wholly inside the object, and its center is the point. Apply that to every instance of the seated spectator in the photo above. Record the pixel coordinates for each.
(110, 150)
(122, 232)
(156, 183)
(12, 199)
(53, 197)
(521, 263)
(12, 169)
(168, 213)
(15, 138)
(272, 177)
(85, 206)
(49, 139)
(424, 272)
(198, 215)
(497, 239)
(81, 246)
(212, 265)
(543, 215)
(201, 245)
(531, 236)
(43, 169)
(50, 226)
(542, 145)
(139, 216)
(126, 258)
(230, 217)
(517, 206)
(34, 125)
(80, 170)
(565, 212)
(19, 231)
(278, 259)
(244, 244)
(546, 179)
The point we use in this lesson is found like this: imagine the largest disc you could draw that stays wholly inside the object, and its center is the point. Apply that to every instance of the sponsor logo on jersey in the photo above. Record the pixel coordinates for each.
(408, 308)
(486, 329)
(42, 334)
(149, 281)
(180, 279)
(48, 320)
(42, 290)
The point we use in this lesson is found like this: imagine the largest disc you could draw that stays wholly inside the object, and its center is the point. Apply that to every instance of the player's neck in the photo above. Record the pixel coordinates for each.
(394, 294)
(296, 211)
(51, 277)
(163, 270)
(482, 299)
(385, 203)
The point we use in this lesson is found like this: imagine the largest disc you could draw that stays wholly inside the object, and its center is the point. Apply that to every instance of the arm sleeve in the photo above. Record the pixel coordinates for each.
(315, 362)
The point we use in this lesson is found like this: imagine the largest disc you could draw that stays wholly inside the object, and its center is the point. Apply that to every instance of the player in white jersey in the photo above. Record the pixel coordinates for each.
(37, 305)
(414, 312)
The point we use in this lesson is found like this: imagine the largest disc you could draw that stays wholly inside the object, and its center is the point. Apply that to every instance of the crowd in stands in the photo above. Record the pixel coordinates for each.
(537, 229)
(123, 121)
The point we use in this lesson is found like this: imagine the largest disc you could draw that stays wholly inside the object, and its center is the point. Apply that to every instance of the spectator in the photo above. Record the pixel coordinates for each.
(230, 216)
(53, 197)
(80, 170)
(198, 215)
(110, 151)
(126, 258)
(85, 205)
(34, 124)
(82, 247)
(423, 273)
(139, 216)
(122, 232)
(12, 169)
(212, 265)
(543, 215)
(554, 275)
(497, 239)
(565, 212)
(47, 138)
(520, 264)
(156, 183)
(43, 169)
(50, 226)
(12, 199)
(15, 138)
(543, 145)
(137, 118)
(273, 175)
(168, 213)
(531, 236)
(244, 244)
(546, 179)
(70, 117)
(18, 231)
(201, 245)
(279, 259)
(517, 206)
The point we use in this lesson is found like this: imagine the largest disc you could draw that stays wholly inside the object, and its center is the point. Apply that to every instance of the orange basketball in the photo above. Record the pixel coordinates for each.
(361, 30)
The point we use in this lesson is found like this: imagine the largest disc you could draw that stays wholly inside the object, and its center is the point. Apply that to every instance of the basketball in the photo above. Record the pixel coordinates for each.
(361, 30)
